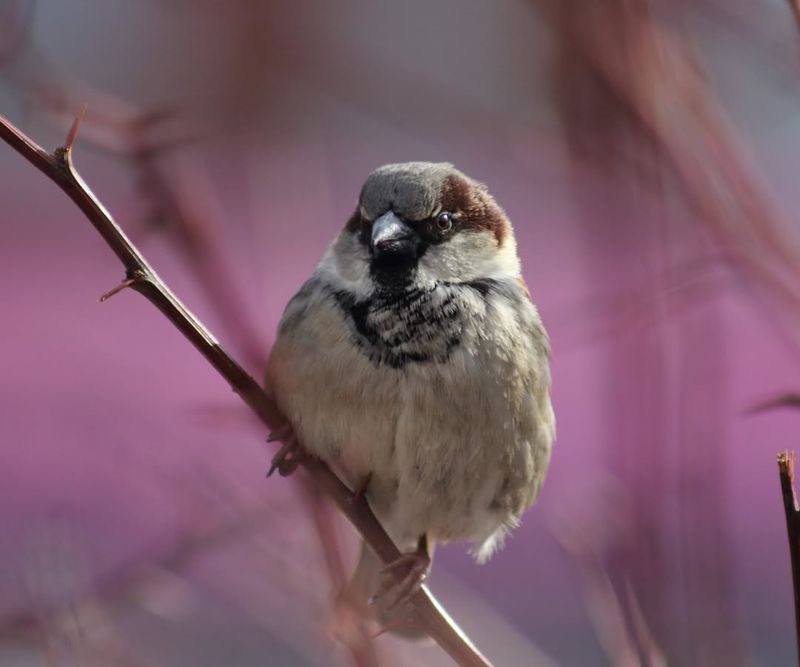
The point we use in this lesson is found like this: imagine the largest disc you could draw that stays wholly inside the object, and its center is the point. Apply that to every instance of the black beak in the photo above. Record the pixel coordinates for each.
(393, 239)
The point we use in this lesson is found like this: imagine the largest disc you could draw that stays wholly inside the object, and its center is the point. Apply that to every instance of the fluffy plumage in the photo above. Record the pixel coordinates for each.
(414, 355)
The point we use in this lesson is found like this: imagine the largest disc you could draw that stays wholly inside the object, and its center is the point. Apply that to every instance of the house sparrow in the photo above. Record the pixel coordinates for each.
(415, 364)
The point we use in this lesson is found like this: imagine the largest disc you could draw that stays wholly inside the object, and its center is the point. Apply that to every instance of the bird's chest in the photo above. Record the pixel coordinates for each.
(411, 326)
(401, 348)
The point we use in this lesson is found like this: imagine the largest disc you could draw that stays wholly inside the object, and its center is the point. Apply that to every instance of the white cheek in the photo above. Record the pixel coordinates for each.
(468, 256)
(346, 264)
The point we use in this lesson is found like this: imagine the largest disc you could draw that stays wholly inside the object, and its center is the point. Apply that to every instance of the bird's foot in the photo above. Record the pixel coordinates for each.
(291, 453)
(403, 577)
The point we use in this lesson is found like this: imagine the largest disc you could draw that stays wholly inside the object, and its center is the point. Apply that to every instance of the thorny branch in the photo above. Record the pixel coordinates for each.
(786, 471)
(58, 166)
(175, 206)
(117, 127)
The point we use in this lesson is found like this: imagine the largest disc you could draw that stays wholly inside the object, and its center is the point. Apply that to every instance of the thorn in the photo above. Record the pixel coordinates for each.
(125, 283)
(73, 131)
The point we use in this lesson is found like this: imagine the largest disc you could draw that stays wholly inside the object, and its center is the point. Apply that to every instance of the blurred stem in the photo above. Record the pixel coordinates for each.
(786, 471)
(141, 277)
(795, 5)
(362, 649)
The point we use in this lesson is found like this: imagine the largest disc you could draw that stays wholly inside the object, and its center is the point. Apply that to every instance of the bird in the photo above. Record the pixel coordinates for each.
(414, 362)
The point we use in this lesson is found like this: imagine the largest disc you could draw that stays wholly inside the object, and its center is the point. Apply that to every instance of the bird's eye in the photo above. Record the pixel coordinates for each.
(444, 221)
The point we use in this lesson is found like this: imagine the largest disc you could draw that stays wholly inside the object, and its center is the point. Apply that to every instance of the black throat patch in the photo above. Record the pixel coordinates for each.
(395, 327)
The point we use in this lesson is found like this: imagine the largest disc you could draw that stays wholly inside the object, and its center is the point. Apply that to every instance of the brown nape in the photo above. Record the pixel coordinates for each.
(477, 207)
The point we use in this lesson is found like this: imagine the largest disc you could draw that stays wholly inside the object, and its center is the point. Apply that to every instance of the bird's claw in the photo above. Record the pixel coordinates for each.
(282, 433)
(289, 456)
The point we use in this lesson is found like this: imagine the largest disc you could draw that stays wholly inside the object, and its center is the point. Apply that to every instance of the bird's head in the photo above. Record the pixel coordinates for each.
(424, 223)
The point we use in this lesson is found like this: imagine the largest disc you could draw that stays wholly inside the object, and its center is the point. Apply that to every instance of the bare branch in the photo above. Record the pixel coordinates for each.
(59, 168)
(182, 206)
(117, 127)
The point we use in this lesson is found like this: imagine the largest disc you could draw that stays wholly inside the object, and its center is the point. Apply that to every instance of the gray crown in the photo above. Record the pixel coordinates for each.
(411, 189)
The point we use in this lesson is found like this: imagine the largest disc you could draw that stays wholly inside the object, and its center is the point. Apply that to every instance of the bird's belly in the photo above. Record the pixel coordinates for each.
(463, 457)
(438, 443)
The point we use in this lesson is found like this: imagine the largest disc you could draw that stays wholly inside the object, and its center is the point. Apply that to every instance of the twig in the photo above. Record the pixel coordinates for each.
(786, 471)
(177, 206)
(59, 168)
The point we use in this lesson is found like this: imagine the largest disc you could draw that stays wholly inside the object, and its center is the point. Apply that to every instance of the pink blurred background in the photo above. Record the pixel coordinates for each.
(646, 153)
